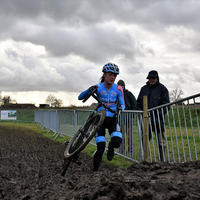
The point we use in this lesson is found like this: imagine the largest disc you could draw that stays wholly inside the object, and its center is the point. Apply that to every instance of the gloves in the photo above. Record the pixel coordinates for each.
(119, 109)
(93, 88)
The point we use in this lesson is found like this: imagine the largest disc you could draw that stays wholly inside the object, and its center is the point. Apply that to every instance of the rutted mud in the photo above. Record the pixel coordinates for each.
(30, 168)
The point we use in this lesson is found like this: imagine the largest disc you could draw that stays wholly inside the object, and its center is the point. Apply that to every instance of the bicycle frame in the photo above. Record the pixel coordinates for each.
(84, 133)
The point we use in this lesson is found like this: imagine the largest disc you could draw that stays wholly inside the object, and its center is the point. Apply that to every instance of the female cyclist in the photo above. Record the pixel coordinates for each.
(110, 93)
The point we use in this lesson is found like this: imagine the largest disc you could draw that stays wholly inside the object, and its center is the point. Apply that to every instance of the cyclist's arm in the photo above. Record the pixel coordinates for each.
(121, 103)
(87, 92)
(84, 94)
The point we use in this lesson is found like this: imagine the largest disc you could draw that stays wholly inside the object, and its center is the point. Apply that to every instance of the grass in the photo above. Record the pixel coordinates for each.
(89, 150)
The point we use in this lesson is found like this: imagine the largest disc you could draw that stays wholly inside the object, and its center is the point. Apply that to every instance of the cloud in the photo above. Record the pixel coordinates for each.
(61, 46)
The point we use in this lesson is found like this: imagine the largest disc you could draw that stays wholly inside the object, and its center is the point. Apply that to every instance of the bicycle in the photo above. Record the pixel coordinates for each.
(86, 132)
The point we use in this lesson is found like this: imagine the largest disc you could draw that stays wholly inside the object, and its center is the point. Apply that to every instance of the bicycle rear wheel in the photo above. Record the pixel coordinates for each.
(85, 134)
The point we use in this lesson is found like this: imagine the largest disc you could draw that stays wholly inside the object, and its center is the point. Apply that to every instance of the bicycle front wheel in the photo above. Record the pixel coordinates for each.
(85, 134)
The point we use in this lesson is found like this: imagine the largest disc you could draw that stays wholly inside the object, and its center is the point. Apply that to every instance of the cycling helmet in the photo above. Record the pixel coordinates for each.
(110, 67)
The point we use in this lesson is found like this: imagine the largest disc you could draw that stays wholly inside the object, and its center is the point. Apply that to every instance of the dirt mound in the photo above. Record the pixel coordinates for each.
(30, 168)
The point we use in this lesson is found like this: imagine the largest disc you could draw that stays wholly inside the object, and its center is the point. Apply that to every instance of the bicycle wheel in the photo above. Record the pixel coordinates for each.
(85, 134)
(65, 166)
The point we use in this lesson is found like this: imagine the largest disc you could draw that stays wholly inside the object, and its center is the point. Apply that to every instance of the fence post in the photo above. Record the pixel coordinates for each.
(145, 119)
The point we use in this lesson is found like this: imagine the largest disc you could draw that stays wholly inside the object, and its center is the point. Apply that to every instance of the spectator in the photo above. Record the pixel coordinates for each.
(127, 118)
(157, 95)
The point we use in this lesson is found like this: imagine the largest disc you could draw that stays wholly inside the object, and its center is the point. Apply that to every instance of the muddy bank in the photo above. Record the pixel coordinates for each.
(30, 168)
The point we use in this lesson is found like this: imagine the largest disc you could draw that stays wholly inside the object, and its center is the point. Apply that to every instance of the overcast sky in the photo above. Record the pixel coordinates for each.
(59, 47)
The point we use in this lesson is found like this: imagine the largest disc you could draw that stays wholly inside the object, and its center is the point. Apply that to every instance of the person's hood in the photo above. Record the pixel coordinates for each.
(121, 82)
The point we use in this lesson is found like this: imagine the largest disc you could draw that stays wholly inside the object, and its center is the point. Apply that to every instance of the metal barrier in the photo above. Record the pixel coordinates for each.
(178, 128)
(174, 128)
(67, 122)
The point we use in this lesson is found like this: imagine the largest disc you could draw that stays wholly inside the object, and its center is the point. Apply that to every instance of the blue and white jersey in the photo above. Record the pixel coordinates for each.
(110, 98)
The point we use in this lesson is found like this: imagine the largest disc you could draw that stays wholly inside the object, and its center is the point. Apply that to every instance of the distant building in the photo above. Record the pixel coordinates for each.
(44, 106)
(93, 105)
(14, 106)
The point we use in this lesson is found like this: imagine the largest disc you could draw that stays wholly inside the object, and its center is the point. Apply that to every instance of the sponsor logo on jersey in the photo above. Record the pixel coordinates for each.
(113, 93)
(103, 92)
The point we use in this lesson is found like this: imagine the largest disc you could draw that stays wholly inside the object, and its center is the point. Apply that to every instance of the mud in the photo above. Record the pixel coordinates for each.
(30, 167)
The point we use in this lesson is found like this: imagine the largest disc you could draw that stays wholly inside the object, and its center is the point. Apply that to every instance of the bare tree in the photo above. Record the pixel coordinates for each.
(6, 100)
(175, 94)
(57, 103)
(53, 101)
(50, 99)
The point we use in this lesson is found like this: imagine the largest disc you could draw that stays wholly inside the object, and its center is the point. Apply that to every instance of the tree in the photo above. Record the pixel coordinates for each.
(57, 103)
(175, 94)
(53, 101)
(50, 99)
(6, 100)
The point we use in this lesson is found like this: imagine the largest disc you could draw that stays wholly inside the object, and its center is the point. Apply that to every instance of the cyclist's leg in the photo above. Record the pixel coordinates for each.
(98, 155)
(101, 143)
(116, 138)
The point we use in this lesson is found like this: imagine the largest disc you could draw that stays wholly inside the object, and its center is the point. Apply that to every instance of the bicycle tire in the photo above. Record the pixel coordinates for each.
(81, 139)
(65, 166)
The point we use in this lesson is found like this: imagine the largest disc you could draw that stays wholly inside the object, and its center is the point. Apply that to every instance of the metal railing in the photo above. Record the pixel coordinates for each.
(178, 122)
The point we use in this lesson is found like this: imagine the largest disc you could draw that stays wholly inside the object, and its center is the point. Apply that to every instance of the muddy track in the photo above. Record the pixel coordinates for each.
(30, 168)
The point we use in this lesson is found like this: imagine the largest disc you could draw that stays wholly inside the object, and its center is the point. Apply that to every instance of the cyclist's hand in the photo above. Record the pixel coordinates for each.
(93, 88)
(120, 108)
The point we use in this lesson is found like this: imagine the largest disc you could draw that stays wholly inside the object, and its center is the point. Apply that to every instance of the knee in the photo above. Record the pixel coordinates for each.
(116, 141)
(100, 149)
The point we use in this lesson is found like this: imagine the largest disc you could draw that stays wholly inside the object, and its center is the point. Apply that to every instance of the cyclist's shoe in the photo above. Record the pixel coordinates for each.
(110, 153)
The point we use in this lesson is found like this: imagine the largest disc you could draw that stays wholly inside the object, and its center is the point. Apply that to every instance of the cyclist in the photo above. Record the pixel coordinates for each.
(108, 92)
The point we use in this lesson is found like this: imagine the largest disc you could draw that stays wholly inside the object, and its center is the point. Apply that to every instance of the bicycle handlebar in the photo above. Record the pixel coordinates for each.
(92, 93)
(84, 100)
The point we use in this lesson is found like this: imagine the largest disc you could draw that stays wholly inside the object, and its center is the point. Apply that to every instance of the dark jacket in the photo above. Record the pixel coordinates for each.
(130, 104)
(130, 100)
(157, 95)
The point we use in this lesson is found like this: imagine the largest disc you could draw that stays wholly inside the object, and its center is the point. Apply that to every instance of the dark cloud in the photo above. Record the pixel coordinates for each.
(92, 43)
(85, 13)
(74, 39)
(67, 27)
